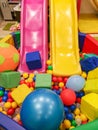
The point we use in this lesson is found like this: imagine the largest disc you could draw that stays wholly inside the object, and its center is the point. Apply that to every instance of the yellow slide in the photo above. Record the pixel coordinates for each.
(64, 37)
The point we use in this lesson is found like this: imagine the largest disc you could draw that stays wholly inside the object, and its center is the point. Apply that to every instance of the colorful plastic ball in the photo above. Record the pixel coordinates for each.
(81, 94)
(69, 116)
(4, 98)
(68, 97)
(73, 123)
(66, 109)
(9, 57)
(75, 82)
(42, 109)
(1, 93)
(72, 107)
(67, 124)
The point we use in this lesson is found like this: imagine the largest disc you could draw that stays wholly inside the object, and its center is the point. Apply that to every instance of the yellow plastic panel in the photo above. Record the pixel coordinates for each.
(64, 37)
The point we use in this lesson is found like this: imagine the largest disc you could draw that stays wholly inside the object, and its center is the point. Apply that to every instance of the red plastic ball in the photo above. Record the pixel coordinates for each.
(68, 97)
(22, 82)
(10, 111)
(10, 100)
(60, 79)
(78, 100)
(0, 99)
(56, 87)
(65, 79)
(54, 79)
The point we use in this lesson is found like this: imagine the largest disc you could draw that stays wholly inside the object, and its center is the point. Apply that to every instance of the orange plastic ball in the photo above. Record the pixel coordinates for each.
(9, 57)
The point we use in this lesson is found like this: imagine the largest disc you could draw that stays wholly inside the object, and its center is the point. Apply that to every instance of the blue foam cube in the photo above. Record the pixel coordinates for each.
(33, 60)
(89, 64)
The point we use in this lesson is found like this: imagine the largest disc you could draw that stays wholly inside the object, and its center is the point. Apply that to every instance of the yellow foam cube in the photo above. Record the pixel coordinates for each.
(89, 105)
(8, 39)
(93, 74)
(91, 86)
(20, 93)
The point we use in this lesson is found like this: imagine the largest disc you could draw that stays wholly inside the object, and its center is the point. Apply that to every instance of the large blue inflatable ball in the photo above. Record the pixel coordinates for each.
(42, 110)
(75, 82)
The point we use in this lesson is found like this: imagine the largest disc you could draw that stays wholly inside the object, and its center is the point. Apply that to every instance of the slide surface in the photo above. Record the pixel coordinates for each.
(64, 37)
(33, 32)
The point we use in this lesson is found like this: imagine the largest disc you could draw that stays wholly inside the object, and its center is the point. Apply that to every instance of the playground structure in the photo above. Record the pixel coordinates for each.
(64, 50)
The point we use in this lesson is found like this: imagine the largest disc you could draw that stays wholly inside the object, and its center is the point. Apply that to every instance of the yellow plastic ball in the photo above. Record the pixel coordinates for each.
(29, 79)
(62, 127)
(77, 111)
(48, 62)
(84, 75)
(31, 75)
(83, 117)
(77, 117)
(67, 124)
(61, 84)
(25, 75)
(49, 71)
(7, 105)
(14, 104)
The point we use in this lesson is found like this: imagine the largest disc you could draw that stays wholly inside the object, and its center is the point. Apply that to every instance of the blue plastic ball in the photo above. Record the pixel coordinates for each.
(4, 98)
(75, 82)
(72, 107)
(66, 109)
(42, 110)
(69, 116)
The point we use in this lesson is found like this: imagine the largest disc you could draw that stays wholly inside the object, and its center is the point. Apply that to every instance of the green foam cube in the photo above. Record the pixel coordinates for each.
(43, 81)
(9, 79)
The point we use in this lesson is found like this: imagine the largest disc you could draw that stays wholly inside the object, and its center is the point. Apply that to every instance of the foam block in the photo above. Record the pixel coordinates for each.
(89, 105)
(9, 79)
(89, 64)
(43, 81)
(91, 86)
(90, 45)
(33, 60)
(20, 93)
(93, 74)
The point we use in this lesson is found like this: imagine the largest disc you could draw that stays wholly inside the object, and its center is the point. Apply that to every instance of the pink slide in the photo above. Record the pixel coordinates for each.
(34, 28)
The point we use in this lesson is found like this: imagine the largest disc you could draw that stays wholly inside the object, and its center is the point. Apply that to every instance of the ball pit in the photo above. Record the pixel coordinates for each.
(72, 111)
(69, 89)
